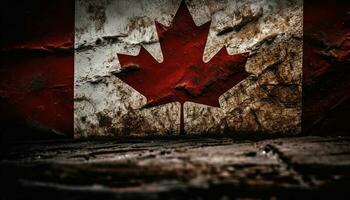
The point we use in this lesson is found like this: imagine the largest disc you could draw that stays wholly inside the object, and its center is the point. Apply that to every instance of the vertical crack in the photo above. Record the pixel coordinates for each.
(287, 164)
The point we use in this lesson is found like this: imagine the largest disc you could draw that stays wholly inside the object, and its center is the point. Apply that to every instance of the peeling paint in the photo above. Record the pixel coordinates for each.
(267, 101)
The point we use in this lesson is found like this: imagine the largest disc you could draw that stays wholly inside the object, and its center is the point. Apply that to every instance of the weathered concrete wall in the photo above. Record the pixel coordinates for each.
(36, 87)
(269, 100)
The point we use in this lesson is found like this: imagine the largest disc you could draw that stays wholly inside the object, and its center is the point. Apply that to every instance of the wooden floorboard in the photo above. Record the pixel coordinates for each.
(223, 168)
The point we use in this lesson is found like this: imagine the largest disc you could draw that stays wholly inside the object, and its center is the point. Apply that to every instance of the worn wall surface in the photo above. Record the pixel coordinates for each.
(268, 101)
(36, 69)
(37, 66)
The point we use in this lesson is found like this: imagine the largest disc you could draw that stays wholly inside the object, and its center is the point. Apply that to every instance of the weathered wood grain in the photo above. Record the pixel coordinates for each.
(181, 168)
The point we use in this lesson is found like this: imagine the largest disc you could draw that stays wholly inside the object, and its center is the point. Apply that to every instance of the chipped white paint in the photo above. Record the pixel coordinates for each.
(106, 106)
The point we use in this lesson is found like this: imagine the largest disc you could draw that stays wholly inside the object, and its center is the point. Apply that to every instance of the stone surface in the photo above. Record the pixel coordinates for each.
(192, 168)
(271, 31)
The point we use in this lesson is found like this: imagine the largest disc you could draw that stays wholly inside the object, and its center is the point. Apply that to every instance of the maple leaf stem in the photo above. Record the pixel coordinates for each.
(187, 79)
(182, 124)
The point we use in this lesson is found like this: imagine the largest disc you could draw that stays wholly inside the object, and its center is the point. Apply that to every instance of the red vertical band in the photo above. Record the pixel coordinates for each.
(37, 67)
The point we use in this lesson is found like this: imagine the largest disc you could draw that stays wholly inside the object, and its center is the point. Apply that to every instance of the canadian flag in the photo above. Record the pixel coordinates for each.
(155, 67)
(139, 68)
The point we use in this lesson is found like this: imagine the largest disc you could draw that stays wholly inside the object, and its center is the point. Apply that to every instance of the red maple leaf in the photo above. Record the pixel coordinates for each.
(182, 76)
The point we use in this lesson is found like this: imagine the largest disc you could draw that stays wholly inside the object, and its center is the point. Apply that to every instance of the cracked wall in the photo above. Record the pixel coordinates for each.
(268, 101)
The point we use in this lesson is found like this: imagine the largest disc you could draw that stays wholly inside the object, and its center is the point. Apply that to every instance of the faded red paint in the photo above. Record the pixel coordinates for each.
(326, 67)
(37, 59)
(183, 76)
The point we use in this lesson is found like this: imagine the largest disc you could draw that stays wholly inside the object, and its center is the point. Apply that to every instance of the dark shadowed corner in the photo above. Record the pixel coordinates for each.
(36, 87)
(326, 71)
